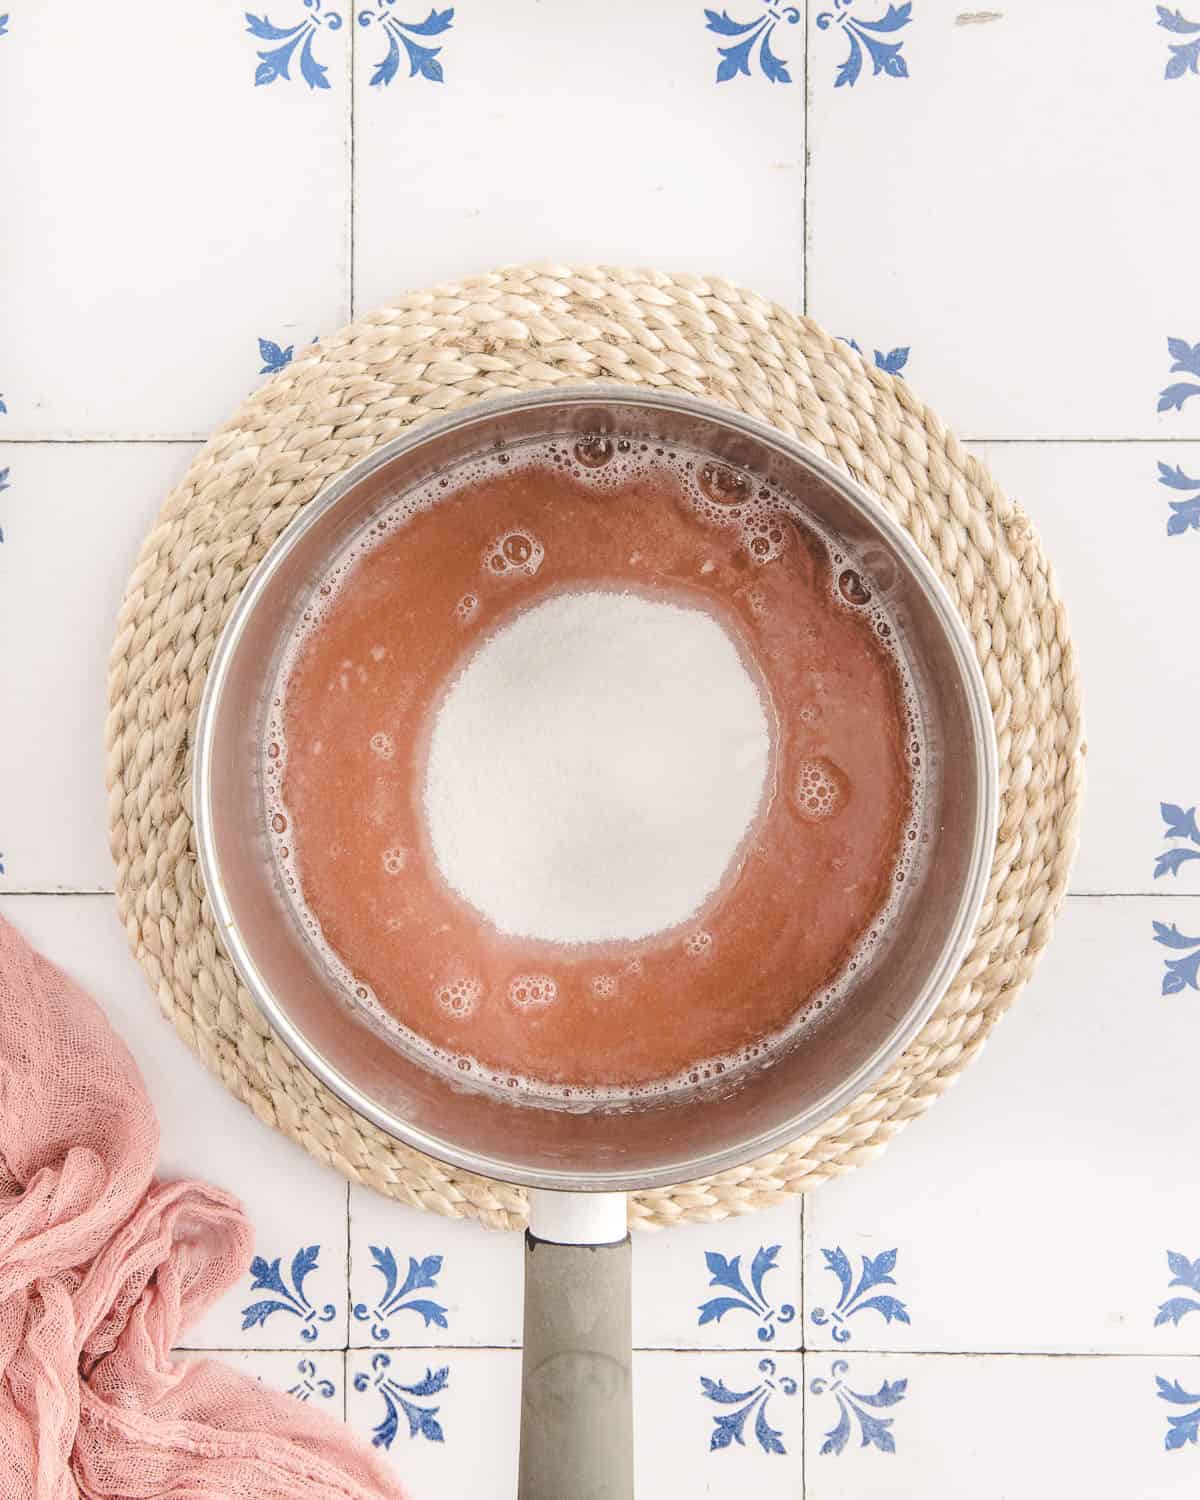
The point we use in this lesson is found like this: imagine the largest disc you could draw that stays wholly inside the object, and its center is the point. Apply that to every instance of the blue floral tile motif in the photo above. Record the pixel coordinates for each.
(4, 485)
(1185, 360)
(856, 1409)
(4, 25)
(274, 62)
(728, 1274)
(1178, 823)
(868, 37)
(1184, 1273)
(3, 407)
(1185, 56)
(286, 1299)
(876, 1271)
(422, 1420)
(308, 1385)
(273, 357)
(756, 32)
(730, 1427)
(891, 363)
(422, 61)
(1185, 514)
(1178, 973)
(1185, 1427)
(421, 1274)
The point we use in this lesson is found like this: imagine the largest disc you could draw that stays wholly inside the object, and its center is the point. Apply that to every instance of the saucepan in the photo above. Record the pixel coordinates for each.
(576, 1423)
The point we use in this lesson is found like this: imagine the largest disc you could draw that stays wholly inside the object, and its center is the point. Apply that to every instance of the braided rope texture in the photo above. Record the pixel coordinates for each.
(524, 328)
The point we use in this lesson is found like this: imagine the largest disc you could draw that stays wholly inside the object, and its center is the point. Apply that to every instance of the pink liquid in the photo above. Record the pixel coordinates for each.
(817, 873)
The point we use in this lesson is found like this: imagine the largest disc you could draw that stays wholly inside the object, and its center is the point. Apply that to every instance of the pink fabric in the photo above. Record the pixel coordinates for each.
(102, 1268)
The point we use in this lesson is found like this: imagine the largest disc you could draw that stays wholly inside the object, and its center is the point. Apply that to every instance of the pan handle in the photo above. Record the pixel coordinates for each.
(576, 1387)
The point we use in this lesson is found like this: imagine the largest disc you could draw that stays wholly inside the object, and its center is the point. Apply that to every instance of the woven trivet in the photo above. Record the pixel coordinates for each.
(521, 329)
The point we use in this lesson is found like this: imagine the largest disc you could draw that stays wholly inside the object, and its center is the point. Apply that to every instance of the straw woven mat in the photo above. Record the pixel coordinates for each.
(524, 328)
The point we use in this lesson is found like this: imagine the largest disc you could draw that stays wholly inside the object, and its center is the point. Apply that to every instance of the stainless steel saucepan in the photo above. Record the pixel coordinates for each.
(576, 1422)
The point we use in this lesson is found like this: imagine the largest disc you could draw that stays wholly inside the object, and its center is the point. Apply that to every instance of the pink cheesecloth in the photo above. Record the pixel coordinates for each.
(102, 1268)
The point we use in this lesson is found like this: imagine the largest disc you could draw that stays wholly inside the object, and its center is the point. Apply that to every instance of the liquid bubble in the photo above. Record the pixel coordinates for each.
(698, 944)
(516, 552)
(766, 537)
(458, 997)
(722, 485)
(852, 588)
(532, 991)
(820, 789)
(594, 451)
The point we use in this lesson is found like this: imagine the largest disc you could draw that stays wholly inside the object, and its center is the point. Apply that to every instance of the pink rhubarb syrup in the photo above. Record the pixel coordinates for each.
(348, 770)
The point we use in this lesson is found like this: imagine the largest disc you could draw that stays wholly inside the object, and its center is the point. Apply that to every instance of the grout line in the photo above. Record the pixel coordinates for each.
(349, 1291)
(1159, 895)
(804, 235)
(394, 1348)
(1083, 441)
(353, 164)
(850, 1350)
(52, 891)
(791, 1351)
(803, 1425)
(802, 1310)
(99, 442)
(345, 1385)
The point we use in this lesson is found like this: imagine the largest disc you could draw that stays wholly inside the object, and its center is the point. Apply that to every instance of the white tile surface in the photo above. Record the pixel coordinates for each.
(292, 1202)
(554, 137)
(694, 1286)
(170, 212)
(446, 1418)
(459, 1433)
(1103, 513)
(72, 520)
(993, 1429)
(1013, 209)
(318, 1377)
(1034, 1206)
(1004, 213)
(463, 1282)
(725, 1425)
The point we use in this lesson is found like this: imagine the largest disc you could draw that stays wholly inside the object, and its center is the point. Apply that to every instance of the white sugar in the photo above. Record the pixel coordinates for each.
(595, 768)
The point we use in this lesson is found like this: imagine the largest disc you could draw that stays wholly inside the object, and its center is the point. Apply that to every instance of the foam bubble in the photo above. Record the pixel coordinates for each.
(604, 986)
(532, 991)
(466, 607)
(594, 451)
(722, 485)
(394, 860)
(765, 536)
(383, 745)
(698, 944)
(517, 553)
(820, 789)
(458, 997)
(852, 588)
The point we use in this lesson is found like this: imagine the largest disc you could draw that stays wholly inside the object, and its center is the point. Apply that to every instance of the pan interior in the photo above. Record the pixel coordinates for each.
(634, 1142)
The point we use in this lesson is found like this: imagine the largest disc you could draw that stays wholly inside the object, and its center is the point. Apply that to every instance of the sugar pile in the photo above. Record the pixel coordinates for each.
(594, 768)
